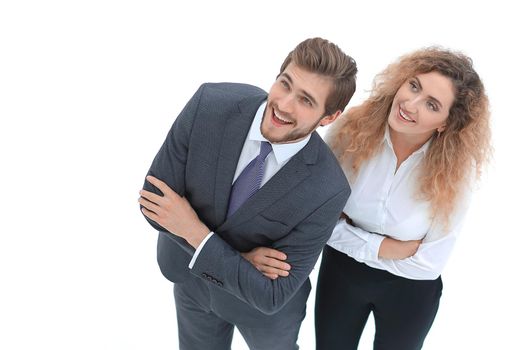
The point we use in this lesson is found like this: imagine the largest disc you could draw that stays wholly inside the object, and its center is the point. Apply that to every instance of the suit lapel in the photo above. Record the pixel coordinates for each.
(284, 181)
(234, 135)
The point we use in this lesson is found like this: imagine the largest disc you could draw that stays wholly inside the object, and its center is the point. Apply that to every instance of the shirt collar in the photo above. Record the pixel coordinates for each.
(283, 151)
(423, 149)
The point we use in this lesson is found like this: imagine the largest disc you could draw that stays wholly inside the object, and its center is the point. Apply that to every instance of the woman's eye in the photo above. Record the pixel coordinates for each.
(432, 107)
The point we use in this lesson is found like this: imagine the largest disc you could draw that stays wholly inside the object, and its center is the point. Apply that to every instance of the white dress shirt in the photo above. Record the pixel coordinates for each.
(280, 155)
(383, 203)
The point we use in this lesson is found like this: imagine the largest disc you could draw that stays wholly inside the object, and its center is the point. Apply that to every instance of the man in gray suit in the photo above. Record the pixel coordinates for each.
(209, 217)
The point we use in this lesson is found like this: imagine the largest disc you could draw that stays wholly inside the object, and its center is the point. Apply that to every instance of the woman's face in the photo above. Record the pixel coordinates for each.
(421, 106)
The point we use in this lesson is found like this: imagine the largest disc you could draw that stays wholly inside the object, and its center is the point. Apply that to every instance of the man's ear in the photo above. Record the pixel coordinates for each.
(330, 118)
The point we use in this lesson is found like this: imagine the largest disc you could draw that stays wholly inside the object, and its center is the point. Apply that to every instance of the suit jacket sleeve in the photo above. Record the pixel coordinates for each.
(224, 265)
(170, 161)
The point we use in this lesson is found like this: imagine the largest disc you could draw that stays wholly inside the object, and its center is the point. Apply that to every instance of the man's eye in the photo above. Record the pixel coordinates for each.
(306, 101)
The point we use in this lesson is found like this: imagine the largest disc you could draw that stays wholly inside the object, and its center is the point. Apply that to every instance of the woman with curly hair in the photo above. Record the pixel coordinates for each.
(411, 153)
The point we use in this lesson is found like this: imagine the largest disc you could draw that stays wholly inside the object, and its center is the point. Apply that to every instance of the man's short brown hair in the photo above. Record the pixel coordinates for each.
(322, 57)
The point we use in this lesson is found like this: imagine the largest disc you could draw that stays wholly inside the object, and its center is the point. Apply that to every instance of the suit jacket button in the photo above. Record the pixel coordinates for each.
(219, 283)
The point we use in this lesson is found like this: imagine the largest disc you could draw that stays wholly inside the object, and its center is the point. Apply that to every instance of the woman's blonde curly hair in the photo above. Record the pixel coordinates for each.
(459, 151)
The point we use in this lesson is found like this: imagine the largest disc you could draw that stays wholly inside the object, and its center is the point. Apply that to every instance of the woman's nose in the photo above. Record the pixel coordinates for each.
(411, 105)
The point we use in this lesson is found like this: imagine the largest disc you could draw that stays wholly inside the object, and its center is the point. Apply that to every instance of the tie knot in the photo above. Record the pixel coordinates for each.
(266, 148)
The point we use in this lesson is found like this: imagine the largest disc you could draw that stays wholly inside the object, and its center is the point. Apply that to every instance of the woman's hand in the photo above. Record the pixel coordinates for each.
(397, 250)
(269, 261)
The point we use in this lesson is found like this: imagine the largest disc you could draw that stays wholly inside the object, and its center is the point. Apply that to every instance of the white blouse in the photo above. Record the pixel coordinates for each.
(383, 203)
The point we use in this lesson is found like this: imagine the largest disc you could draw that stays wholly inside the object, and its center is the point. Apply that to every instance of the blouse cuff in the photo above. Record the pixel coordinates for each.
(374, 243)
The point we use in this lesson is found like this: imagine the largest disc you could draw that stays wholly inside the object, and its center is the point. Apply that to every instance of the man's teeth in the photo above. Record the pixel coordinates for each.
(405, 116)
(281, 118)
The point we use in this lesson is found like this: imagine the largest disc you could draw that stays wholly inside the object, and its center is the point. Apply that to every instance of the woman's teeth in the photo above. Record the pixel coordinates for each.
(403, 115)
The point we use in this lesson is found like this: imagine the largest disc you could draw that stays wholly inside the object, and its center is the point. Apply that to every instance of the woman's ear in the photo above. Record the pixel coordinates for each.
(441, 128)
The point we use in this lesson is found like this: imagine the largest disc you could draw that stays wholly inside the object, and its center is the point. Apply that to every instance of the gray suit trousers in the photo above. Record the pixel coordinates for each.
(202, 327)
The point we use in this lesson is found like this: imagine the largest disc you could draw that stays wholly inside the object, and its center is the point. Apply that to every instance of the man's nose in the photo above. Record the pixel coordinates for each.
(286, 103)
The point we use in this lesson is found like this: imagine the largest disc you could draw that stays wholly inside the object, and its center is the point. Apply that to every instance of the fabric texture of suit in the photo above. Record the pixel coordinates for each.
(294, 212)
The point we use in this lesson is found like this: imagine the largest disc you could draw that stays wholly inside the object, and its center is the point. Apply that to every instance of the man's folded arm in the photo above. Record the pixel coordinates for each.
(223, 265)
(169, 163)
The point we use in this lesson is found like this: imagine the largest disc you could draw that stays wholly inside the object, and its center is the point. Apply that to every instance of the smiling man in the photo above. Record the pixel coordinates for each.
(241, 170)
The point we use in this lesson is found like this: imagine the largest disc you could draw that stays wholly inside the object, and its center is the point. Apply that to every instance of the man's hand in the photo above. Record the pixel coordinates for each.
(269, 261)
(173, 212)
(397, 250)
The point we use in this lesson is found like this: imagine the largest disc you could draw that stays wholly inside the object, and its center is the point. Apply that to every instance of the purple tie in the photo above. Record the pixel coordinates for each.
(249, 181)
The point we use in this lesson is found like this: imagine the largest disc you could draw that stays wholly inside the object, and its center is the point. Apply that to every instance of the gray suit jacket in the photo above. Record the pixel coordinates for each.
(294, 212)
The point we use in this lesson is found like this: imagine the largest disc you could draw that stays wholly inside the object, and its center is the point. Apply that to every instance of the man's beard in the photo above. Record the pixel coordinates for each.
(293, 135)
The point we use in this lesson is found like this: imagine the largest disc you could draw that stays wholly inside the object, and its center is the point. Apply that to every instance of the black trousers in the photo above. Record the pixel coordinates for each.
(347, 291)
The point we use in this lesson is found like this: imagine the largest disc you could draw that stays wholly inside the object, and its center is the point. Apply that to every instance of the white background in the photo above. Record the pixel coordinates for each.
(88, 91)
